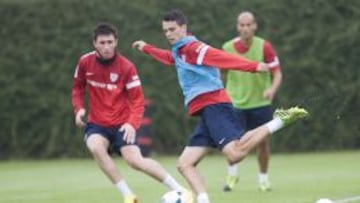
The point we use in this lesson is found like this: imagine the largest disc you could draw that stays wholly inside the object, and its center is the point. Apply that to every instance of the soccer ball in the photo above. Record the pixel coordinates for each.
(175, 196)
(324, 200)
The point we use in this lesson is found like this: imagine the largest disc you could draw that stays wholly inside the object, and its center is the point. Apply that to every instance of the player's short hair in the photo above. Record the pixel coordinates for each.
(253, 14)
(175, 15)
(105, 29)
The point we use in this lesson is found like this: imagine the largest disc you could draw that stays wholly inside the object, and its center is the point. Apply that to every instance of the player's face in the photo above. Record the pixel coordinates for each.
(105, 45)
(173, 31)
(246, 26)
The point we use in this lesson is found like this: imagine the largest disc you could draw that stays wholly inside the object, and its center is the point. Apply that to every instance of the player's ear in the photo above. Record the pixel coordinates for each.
(94, 42)
(184, 28)
(116, 41)
(255, 25)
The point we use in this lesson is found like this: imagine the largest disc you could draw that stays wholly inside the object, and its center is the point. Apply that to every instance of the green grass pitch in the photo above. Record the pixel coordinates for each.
(296, 178)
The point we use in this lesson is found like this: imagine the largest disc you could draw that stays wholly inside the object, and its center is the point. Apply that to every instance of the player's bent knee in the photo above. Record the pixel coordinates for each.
(183, 166)
(97, 150)
(97, 145)
(133, 157)
(234, 156)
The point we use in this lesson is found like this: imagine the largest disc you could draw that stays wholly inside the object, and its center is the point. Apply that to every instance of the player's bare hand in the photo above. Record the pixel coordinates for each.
(79, 118)
(139, 44)
(269, 94)
(262, 67)
(129, 133)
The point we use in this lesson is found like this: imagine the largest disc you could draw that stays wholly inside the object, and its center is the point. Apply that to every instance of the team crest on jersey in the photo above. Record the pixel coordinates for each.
(114, 77)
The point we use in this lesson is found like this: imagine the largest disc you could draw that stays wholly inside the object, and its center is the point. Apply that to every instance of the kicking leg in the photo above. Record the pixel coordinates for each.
(236, 150)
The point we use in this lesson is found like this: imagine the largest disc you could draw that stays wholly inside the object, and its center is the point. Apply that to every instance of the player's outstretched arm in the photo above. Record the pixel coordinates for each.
(225, 61)
(162, 55)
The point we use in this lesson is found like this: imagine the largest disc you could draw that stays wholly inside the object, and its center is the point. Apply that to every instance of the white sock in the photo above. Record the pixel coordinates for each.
(172, 184)
(263, 177)
(274, 125)
(233, 170)
(203, 198)
(124, 188)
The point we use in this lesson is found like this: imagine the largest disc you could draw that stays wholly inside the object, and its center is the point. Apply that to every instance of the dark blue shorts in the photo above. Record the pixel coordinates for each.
(114, 136)
(255, 117)
(218, 125)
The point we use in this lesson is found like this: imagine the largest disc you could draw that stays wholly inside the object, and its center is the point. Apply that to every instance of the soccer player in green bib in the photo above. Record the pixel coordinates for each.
(252, 94)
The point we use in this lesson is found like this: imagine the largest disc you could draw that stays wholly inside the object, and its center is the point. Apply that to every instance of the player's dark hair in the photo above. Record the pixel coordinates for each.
(175, 15)
(105, 29)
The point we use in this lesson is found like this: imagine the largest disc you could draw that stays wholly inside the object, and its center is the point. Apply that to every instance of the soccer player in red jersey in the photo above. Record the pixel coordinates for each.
(197, 66)
(116, 106)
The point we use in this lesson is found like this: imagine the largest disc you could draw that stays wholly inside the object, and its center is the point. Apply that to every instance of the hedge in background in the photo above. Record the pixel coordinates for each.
(317, 42)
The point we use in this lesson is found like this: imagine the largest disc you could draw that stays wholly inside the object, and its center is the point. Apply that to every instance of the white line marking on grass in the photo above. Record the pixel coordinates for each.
(348, 199)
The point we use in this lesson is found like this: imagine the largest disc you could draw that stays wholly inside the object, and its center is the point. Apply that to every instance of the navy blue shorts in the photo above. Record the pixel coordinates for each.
(255, 117)
(218, 125)
(114, 136)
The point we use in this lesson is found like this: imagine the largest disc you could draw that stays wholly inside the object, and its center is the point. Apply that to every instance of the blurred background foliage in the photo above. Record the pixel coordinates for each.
(317, 41)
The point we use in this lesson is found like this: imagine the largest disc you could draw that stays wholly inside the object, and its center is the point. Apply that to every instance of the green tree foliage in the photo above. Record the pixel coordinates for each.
(41, 41)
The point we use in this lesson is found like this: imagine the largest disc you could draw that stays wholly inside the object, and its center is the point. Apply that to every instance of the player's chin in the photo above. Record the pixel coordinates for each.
(108, 56)
(171, 41)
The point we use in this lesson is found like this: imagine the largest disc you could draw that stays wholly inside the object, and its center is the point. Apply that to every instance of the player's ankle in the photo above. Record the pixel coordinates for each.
(274, 125)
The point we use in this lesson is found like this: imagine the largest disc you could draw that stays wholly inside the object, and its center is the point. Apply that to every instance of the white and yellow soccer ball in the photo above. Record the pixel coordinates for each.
(175, 196)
